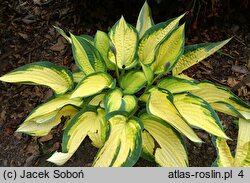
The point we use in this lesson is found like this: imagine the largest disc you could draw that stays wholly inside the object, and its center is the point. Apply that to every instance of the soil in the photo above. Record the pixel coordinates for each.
(27, 35)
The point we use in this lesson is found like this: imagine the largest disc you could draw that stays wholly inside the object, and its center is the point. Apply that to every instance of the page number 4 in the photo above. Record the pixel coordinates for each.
(241, 174)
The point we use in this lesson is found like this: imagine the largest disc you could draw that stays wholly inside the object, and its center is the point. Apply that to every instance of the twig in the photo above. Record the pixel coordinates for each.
(240, 41)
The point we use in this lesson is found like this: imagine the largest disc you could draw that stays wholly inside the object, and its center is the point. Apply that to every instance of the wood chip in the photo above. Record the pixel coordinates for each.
(240, 69)
(37, 2)
(231, 82)
(24, 36)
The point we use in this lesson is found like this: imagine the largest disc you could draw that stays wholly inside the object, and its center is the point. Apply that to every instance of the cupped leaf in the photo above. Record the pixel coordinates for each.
(42, 73)
(129, 103)
(132, 82)
(52, 105)
(195, 53)
(177, 85)
(171, 152)
(144, 21)
(160, 104)
(92, 84)
(75, 133)
(78, 76)
(99, 130)
(216, 93)
(86, 56)
(103, 44)
(97, 100)
(198, 113)
(123, 146)
(152, 37)
(169, 50)
(34, 126)
(125, 39)
(115, 100)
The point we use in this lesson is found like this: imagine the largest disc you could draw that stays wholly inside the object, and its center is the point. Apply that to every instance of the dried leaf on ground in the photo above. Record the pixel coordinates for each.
(46, 138)
(59, 46)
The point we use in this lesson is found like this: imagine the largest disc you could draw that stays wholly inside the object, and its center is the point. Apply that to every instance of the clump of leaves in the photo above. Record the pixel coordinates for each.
(129, 95)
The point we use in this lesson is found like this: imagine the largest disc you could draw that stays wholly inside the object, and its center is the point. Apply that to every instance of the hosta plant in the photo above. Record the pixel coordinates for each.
(129, 95)
(242, 154)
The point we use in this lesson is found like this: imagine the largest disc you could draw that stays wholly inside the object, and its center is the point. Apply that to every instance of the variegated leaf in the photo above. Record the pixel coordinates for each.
(86, 56)
(144, 21)
(52, 105)
(149, 74)
(198, 113)
(133, 81)
(216, 93)
(42, 73)
(177, 85)
(35, 127)
(97, 100)
(115, 100)
(99, 130)
(242, 155)
(148, 146)
(76, 131)
(224, 156)
(195, 53)
(103, 44)
(169, 50)
(78, 76)
(160, 104)
(92, 84)
(125, 40)
(123, 146)
(60, 31)
(152, 37)
(171, 152)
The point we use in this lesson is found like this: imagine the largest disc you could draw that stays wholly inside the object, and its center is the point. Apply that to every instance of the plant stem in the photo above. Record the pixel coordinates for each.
(122, 73)
(150, 84)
